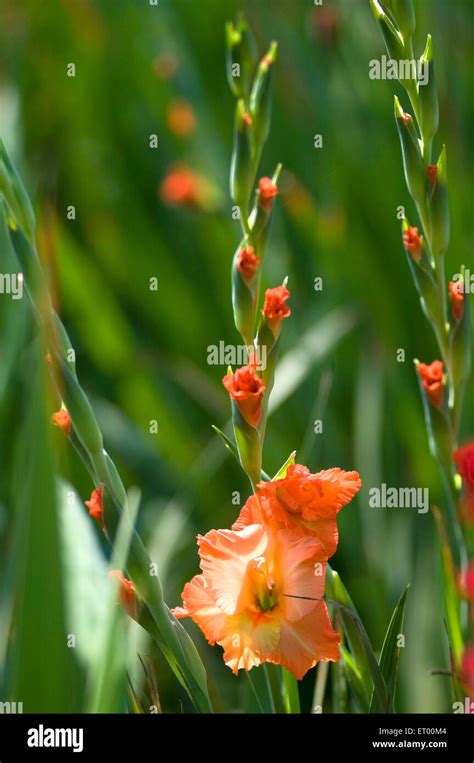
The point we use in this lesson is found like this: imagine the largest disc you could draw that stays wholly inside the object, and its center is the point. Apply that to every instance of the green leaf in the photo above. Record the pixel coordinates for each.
(291, 697)
(390, 655)
(357, 637)
(281, 473)
(227, 442)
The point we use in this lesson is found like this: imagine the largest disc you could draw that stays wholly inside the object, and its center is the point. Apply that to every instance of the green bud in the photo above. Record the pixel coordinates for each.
(460, 339)
(241, 58)
(404, 16)
(392, 37)
(244, 299)
(15, 195)
(439, 209)
(428, 96)
(424, 279)
(261, 100)
(415, 175)
(242, 170)
(249, 445)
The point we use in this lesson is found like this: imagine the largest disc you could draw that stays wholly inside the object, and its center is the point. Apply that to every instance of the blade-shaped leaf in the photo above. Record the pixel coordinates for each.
(390, 655)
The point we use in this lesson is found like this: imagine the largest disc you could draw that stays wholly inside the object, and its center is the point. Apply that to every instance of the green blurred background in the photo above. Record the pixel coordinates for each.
(142, 354)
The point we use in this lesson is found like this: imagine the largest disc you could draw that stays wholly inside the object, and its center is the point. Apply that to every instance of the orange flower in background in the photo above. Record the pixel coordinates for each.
(464, 459)
(432, 379)
(94, 504)
(413, 242)
(466, 582)
(267, 190)
(247, 263)
(180, 117)
(181, 187)
(260, 597)
(467, 668)
(305, 504)
(275, 307)
(127, 593)
(456, 295)
(246, 388)
(62, 420)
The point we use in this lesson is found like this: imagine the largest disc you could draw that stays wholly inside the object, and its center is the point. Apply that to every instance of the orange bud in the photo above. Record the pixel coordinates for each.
(94, 504)
(432, 379)
(274, 307)
(432, 173)
(246, 388)
(456, 295)
(127, 593)
(413, 242)
(62, 420)
(267, 190)
(247, 263)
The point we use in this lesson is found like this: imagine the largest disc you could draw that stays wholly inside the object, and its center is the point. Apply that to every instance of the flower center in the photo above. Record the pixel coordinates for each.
(264, 585)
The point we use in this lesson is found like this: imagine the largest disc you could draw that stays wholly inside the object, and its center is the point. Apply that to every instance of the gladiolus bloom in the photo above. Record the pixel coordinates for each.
(413, 242)
(467, 668)
(267, 190)
(246, 388)
(94, 504)
(62, 420)
(180, 118)
(181, 187)
(432, 379)
(247, 263)
(466, 582)
(260, 597)
(456, 295)
(274, 307)
(432, 173)
(464, 459)
(127, 593)
(305, 504)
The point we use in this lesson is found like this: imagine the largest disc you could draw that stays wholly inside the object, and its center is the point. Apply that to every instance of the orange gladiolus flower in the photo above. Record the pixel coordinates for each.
(62, 420)
(467, 668)
(267, 190)
(432, 379)
(260, 597)
(246, 388)
(247, 263)
(456, 295)
(465, 582)
(275, 307)
(94, 504)
(464, 459)
(305, 504)
(413, 242)
(127, 593)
